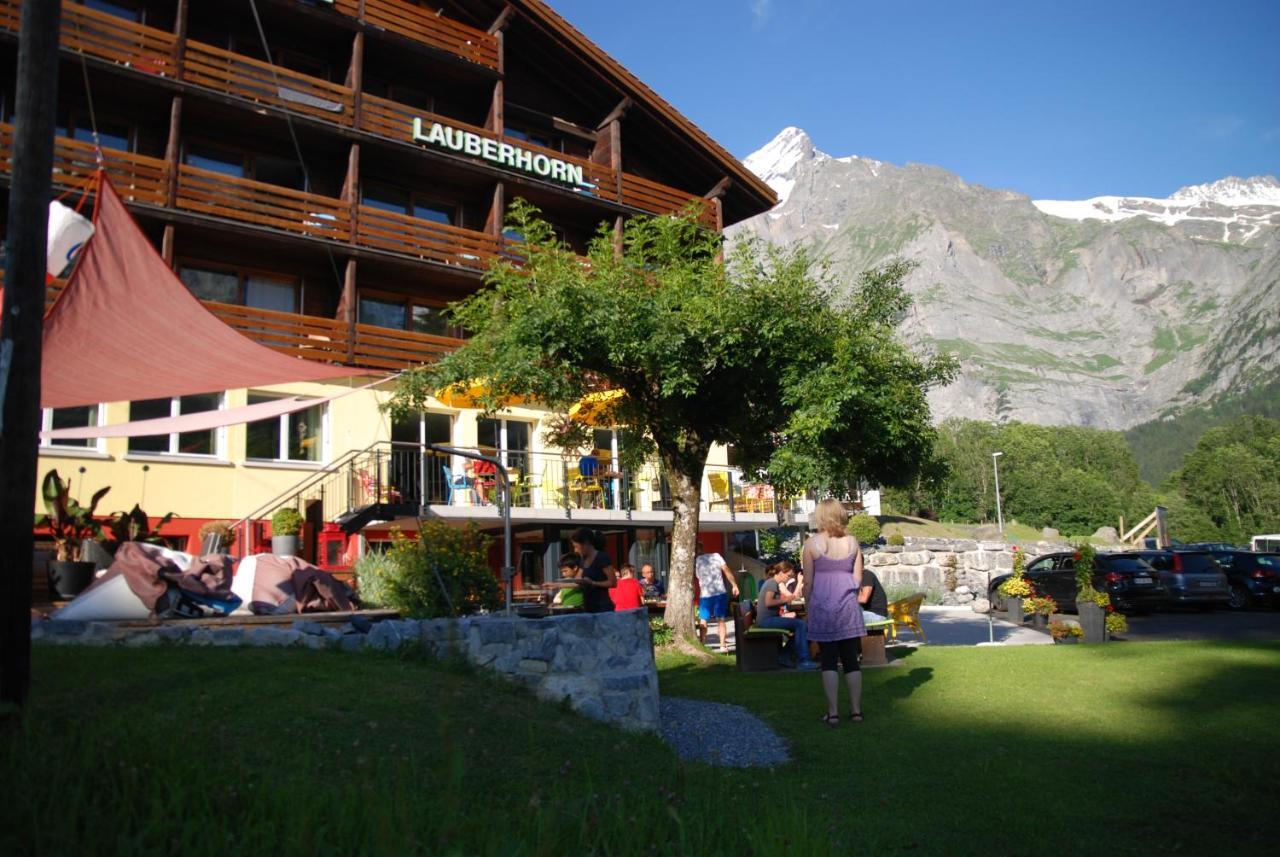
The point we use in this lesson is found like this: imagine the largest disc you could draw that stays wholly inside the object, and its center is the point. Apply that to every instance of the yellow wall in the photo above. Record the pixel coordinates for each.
(231, 488)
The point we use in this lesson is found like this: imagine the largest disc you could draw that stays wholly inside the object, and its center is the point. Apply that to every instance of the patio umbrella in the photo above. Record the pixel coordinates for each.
(598, 410)
(468, 394)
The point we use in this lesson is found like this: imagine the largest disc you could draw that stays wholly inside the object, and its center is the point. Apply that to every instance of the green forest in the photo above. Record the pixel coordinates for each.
(1226, 488)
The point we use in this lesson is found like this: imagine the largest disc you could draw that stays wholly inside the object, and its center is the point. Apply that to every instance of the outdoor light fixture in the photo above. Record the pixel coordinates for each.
(995, 464)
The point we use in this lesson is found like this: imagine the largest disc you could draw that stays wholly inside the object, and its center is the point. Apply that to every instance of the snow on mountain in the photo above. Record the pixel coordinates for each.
(776, 160)
(1245, 204)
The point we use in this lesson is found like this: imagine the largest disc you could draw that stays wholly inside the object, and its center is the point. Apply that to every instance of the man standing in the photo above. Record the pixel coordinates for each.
(713, 573)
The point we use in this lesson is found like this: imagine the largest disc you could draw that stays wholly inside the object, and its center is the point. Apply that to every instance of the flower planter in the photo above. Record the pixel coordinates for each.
(284, 545)
(1014, 608)
(1039, 621)
(1093, 621)
(69, 579)
(1066, 641)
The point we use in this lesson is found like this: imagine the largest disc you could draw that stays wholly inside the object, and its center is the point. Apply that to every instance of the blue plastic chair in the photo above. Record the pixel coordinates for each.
(454, 482)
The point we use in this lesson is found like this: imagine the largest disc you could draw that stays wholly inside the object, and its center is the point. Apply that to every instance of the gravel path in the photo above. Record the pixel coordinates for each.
(719, 734)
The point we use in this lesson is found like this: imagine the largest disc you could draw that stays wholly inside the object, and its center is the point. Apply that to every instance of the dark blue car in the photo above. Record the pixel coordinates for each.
(1254, 577)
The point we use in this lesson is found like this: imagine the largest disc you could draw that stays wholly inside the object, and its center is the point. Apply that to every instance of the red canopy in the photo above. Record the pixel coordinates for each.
(126, 328)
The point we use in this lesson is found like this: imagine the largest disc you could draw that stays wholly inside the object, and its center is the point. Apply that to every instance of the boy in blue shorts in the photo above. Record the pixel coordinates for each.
(713, 573)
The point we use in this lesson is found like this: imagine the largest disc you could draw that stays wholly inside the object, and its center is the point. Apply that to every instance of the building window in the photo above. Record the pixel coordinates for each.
(120, 8)
(289, 437)
(509, 437)
(111, 135)
(246, 288)
(214, 159)
(389, 198)
(60, 418)
(404, 313)
(203, 443)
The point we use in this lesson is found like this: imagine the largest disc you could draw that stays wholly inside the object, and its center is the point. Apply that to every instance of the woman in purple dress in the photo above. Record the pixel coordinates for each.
(832, 577)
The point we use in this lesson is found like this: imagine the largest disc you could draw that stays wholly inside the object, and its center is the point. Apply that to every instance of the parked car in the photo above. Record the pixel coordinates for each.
(1192, 577)
(1253, 577)
(1134, 586)
(1213, 547)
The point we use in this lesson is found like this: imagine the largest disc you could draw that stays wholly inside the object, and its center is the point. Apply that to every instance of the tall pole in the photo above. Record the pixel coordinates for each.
(23, 327)
(995, 463)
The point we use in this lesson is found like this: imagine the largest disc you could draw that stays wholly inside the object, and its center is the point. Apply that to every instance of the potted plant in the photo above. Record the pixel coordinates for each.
(1014, 590)
(286, 524)
(69, 525)
(1089, 601)
(135, 526)
(1116, 622)
(1040, 607)
(216, 537)
(1065, 632)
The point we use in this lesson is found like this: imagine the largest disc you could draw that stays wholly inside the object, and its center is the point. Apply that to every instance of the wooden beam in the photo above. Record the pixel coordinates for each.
(355, 77)
(166, 244)
(504, 18)
(720, 189)
(180, 37)
(351, 190)
(30, 187)
(497, 211)
(616, 113)
(173, 150)
(347, 310)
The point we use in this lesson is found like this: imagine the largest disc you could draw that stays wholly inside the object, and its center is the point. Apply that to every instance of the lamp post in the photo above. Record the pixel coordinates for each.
(995, 464)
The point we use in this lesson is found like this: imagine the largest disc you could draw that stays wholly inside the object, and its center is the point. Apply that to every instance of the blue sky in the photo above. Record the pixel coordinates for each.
(1059, 100)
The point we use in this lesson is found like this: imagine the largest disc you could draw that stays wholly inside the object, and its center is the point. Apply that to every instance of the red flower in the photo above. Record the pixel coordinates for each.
(1076, 556)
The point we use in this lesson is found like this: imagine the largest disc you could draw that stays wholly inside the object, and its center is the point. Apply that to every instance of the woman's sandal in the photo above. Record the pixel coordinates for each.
(831, 719)
(855, 716)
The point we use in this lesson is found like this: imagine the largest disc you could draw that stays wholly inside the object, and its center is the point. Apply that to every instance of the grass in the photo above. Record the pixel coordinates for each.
(1122, 749)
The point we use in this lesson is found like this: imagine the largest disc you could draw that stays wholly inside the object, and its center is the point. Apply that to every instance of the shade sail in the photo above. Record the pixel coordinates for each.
(599, 410)
(469, 394)
(126, 328)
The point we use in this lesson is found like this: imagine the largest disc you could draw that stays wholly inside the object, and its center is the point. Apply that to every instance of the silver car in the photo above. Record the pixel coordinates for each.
(1190, 577)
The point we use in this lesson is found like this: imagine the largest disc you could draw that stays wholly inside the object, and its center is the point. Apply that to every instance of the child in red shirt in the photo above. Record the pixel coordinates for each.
(627, 595)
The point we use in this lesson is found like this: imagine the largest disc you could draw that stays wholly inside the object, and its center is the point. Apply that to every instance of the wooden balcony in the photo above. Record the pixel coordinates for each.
(434, 242)
(137, 178)
(332, 341)
(261, 204)
(107, 37)
(264, 83)
(421, 25)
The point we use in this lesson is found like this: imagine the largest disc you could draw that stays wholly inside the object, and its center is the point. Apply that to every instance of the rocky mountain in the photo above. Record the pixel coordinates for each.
(1104, 312)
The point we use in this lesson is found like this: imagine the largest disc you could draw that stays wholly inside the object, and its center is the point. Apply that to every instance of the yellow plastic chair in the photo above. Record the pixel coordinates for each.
(906, 612)
(719, 483)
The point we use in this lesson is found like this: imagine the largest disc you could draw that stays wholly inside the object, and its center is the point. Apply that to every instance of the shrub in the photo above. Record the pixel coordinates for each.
(864, 528)
(445, 572)
(1116, 622)
(1084, 571)
(1015, 587)
(1058, 630)
(223, 529)
(662, 633)
(286, 521)
(897, 540)
(372, 571)
(1042, 604)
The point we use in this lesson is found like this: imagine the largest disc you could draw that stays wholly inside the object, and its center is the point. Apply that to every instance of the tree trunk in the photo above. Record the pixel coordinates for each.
(686, 497)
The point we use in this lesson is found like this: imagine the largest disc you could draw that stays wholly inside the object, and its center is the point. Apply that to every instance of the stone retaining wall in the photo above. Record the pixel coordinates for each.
(956, 568)
(601, 664)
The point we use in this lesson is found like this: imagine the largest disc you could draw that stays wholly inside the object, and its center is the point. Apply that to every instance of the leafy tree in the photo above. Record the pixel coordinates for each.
(762, 350)
(1233, 477)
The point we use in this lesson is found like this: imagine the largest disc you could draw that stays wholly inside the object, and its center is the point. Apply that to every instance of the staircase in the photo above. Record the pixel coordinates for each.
(381, 482)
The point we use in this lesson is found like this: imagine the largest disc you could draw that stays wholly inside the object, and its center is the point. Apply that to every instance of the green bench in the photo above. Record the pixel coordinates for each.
(757, 649)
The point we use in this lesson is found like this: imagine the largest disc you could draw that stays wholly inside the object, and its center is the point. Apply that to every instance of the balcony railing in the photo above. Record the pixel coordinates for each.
(106, 36)
(262, 204)
(435, 242)
(137, 178)
(274, 85)
(421, 25)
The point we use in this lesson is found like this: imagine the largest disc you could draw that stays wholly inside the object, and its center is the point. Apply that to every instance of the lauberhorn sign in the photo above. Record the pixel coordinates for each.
(503, 154)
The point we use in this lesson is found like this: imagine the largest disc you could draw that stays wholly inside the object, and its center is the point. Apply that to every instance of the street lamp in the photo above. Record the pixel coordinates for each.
(995, 464)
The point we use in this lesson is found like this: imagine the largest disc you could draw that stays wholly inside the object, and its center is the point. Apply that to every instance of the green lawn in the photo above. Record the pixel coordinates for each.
(1122, 749)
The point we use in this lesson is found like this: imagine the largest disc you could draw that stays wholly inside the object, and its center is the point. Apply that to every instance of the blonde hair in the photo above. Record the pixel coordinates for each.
(830, 517)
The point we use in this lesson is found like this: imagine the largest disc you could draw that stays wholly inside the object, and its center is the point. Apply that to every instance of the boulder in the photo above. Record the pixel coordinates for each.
(981, 605)
(1050, 533)
(914, 557)
(1107, 534)
(987, 531)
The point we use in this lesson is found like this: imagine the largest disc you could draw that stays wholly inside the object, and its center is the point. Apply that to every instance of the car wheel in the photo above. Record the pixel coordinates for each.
(1239, 597)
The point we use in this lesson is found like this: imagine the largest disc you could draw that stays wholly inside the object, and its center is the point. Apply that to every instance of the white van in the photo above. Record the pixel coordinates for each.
(1265, 544)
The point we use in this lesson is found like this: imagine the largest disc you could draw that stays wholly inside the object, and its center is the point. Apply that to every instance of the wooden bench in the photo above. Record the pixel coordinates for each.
(757, 649)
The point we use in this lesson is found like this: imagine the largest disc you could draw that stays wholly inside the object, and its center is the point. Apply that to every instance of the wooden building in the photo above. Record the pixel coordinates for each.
(326, 175)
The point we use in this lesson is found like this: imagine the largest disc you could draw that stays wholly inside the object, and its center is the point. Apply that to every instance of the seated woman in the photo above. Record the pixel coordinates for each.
(773, 596)
(484, 475)
(570, 585)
